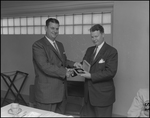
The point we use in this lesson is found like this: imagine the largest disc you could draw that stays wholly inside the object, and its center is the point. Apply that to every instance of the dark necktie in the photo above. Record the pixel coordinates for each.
(94, 53)
(56, 47)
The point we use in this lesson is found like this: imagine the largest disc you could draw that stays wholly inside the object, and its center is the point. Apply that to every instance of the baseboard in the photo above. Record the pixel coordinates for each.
(116, 115)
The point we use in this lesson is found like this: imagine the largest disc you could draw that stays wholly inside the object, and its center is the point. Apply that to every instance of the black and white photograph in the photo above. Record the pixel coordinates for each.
(75, 58)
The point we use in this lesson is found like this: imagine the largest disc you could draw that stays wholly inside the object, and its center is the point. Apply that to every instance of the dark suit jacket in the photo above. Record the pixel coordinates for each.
(101, 86)
(49, 71)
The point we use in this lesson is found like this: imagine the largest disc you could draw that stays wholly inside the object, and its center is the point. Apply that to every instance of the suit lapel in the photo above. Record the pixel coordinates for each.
(61, 51)
(100, 53)
(53, 49)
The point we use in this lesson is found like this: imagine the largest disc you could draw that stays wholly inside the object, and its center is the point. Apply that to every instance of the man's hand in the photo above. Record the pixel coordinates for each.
(77, 65)
(69, 72)
(86, 75)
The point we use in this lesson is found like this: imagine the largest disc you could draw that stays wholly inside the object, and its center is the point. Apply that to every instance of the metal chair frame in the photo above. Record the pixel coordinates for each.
(12, 85)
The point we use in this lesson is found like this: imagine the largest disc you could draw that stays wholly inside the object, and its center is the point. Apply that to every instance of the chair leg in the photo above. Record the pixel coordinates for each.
(31, 96)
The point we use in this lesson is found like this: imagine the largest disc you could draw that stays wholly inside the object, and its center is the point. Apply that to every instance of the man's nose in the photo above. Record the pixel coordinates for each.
(94, 39)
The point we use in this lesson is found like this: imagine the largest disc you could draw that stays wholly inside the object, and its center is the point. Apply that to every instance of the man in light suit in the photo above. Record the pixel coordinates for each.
(50, 64)
(99, 85)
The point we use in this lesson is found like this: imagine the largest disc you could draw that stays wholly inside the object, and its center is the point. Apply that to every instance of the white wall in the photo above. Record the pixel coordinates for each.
(131, 38)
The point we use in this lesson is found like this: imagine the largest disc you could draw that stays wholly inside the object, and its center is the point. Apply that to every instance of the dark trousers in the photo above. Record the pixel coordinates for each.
(96, 111)
(55, 107)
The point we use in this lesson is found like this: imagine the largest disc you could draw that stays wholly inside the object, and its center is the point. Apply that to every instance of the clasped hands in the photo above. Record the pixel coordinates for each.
(78, 65)
(70, 71)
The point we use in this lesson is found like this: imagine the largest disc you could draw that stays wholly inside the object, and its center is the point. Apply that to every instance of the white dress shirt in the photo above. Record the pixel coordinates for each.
(52, 42)
(98, 49)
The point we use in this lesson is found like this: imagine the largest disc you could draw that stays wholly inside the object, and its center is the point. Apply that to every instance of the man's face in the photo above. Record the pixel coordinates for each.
(97, 37)
(52, 30)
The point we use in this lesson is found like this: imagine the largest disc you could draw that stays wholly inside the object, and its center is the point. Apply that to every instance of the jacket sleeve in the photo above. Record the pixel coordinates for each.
(68, 63)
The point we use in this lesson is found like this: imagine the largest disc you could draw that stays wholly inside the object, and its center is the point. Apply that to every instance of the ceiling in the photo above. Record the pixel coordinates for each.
(27, 8)
(11, 4)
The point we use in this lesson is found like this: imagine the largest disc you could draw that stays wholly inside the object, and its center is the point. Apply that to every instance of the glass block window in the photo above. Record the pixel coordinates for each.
(43, 30)
(77, 19)
(44, 18)
(37, 20)
(16, 21)
(78, 29)
(10, 22)
(30, 30)
(69, 24)
(86, 29)
(69, 30)
(17, 30)
(97, 18)
(23, 21)
(11, 30)
(23, 30)
(87, 19)
(37, 30)
(4, 22)
(69, 20)
(30, 21)
(61, 30)
(5, 30)
(106, 18)
(107, 29)
(61, 19)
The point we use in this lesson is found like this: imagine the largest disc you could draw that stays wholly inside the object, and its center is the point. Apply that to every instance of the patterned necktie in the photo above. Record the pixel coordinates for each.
(94, 53)
(56, 47)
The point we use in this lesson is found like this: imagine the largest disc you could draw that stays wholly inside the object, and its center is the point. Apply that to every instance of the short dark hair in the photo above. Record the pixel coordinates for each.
(97, 27)
(53, 20)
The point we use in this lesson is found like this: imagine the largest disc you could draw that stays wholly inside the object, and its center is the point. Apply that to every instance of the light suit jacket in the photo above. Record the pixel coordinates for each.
(49, 71)
(136, 109)
(101, 86)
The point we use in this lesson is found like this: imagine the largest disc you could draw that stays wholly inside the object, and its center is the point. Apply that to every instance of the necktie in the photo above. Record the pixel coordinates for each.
(94, 53)
(56, 47)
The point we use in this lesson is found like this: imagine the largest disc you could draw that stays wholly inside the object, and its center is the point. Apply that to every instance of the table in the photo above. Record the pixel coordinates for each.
(10, 78)
(44, 113)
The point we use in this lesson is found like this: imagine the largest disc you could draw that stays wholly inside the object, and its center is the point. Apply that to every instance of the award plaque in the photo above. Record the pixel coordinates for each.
(77, 71)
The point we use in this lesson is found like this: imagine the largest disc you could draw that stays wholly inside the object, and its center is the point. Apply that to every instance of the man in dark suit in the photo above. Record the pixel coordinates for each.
(99, 85)
(50, 64)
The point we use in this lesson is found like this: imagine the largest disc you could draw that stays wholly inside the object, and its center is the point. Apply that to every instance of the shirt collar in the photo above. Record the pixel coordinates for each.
(49, 40)
(100, 46)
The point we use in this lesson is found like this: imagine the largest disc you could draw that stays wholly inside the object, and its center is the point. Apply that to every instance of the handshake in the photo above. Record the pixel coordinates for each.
(70, 72)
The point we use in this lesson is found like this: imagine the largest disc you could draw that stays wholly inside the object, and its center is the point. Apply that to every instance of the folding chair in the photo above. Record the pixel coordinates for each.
(10, 82)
